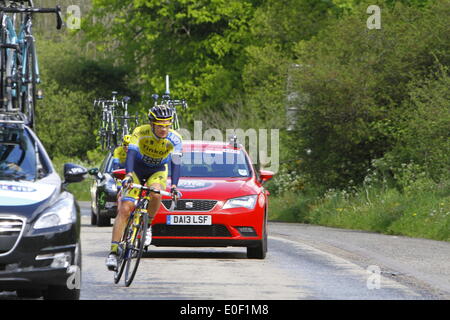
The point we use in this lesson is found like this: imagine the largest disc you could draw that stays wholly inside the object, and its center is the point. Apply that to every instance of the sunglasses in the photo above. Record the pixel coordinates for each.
(159, 124)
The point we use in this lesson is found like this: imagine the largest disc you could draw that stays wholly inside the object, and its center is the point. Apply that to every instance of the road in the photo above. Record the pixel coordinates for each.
(303, 262)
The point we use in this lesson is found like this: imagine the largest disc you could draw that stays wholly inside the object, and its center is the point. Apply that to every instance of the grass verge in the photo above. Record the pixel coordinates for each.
(422, 211)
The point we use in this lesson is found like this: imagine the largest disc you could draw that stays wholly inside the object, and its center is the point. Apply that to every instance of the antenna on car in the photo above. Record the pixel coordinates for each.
(233, 141)
(167, 85)
(166, 95)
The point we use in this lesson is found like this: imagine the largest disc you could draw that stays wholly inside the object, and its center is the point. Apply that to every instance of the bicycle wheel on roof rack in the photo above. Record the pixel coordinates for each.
(3, 103)
(29, 85)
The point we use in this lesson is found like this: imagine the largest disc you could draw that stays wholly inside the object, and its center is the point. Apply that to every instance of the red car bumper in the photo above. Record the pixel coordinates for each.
(239, 227)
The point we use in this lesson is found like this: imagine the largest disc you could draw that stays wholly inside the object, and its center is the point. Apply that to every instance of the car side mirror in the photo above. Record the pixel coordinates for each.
(74, 173)
(265, 175)
(94, 172)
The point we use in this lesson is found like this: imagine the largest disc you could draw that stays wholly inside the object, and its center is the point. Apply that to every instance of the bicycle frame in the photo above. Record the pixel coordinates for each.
(138, 218)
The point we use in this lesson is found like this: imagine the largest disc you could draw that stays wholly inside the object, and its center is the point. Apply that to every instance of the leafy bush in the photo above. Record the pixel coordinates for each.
(359, 82)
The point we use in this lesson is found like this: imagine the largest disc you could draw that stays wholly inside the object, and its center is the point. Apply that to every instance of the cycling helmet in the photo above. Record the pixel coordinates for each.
(126, 140)
(160, 113)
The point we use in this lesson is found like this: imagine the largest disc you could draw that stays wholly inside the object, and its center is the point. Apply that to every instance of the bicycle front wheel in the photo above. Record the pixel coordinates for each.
(127, 234)
(29, 94)
(135, 248)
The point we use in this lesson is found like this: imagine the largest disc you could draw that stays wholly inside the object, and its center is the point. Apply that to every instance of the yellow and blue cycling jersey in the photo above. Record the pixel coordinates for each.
(149, 156)
(151, 150)
(119, 158)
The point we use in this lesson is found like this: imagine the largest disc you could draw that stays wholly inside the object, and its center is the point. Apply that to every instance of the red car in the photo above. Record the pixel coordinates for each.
(224, 202)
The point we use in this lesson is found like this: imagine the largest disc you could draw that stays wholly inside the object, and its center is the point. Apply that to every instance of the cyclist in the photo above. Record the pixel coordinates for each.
(120, 153)
(151, 149)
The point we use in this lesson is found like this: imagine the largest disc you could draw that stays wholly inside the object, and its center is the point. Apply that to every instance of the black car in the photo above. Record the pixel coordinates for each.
(103, 193)
(40, 252)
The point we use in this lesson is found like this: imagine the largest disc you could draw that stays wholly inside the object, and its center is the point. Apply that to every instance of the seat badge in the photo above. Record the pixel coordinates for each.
(189, 205)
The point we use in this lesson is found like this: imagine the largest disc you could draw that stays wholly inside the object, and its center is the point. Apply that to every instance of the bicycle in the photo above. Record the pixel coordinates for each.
(131, 245)
(19, 69)
(125, 117)
(172, 103)
(108, 128)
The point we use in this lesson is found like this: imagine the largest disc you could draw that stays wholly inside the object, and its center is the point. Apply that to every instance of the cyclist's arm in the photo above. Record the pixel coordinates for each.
(175, 163)
(133, 150)
(129, 164)
(175, 168)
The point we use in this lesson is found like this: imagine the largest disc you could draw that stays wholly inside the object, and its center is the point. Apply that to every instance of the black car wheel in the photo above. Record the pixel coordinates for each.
(100, 221)
(103, 221)
(93, 218)
(259, 251)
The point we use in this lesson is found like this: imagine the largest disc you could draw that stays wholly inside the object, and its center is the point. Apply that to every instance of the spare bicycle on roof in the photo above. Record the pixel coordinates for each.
(172, 103)
(19, 68)
(115, 119)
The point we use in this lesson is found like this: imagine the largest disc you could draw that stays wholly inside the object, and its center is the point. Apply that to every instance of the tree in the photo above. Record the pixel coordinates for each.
(200, 44)
(66, 120)
(357, 82)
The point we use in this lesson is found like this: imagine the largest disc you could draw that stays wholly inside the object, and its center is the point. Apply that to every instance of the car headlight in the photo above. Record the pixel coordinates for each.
(248, 202)
(62, 213)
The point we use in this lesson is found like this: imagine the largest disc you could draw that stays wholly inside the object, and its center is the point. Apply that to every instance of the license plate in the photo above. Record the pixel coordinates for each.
(189, 220)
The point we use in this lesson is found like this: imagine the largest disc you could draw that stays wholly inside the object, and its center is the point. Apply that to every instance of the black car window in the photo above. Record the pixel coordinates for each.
(17, 154)
(216, 164)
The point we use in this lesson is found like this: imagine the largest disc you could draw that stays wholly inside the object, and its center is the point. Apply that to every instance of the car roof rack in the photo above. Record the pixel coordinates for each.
(9, 117)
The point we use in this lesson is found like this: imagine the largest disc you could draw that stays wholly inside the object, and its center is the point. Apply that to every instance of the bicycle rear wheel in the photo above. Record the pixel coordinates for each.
(135, 248)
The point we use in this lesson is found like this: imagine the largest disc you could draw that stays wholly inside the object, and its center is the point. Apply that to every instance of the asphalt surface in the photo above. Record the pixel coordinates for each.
(303, 262)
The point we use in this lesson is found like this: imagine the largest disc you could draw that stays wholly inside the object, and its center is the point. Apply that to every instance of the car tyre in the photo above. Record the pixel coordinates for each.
(93, 218)
(260, 250)
(103, 221)
(100, 221)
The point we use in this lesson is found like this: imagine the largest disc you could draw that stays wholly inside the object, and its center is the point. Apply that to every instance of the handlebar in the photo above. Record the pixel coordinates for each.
(139, 186)
(56, 10)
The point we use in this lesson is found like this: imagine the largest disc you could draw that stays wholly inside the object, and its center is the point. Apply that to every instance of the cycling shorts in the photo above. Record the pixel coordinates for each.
(154, 175)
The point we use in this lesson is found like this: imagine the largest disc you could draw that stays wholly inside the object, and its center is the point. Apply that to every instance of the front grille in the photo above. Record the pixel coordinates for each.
(10, 231)
(191, 205)
(215, 230)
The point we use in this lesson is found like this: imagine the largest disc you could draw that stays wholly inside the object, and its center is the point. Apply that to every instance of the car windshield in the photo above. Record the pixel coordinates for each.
(215, 164)
(17, 154)
(107, 165)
